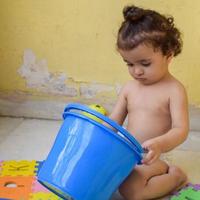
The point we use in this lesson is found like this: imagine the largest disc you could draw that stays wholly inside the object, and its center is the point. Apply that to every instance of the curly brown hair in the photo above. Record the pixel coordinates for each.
(148, 27)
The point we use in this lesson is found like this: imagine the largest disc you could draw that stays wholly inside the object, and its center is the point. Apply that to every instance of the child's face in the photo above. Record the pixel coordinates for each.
(145, 64)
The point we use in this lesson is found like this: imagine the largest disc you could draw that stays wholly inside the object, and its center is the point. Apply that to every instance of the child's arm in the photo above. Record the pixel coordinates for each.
(120, 109)
(177, 134)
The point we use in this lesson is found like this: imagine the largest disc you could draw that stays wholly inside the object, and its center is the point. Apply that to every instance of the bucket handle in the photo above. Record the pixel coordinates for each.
(112, 123)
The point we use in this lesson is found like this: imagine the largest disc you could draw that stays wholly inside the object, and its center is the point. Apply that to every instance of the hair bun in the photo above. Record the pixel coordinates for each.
(133, 13)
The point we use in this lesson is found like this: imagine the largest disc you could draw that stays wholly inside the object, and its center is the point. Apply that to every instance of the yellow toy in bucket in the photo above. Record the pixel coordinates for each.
(97, 108)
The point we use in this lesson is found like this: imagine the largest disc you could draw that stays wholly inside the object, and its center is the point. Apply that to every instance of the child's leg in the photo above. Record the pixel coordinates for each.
(152, 181)
(139, 177)
(161, 185)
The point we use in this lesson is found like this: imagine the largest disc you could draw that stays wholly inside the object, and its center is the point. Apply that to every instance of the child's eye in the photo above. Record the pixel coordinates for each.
(129, 64)
(146, 64)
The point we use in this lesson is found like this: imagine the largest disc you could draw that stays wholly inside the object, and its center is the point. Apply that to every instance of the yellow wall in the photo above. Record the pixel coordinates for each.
(77, 39)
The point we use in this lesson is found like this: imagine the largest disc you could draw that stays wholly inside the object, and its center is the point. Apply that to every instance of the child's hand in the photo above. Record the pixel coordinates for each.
(153, 151)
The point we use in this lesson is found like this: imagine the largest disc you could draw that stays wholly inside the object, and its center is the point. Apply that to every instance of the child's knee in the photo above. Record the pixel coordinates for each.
(163, 166)
(159, 167)
(176, 171)
(178, 174)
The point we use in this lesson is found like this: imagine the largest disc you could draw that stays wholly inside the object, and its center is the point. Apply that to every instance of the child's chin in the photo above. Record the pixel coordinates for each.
(147, 82)
(143, 81)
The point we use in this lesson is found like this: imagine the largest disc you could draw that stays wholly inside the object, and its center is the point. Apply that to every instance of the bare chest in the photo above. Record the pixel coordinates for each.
(151, 102)
(148, 113)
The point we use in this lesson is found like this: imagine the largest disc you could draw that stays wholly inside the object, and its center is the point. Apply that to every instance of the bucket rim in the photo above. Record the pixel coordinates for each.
(41, 181)
(130, 145)
(112, 123)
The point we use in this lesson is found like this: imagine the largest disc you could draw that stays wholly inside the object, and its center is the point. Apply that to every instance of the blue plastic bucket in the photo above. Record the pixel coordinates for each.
(88, 160)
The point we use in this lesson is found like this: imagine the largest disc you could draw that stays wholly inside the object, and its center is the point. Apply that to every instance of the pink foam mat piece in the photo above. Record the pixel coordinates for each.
(37, 187)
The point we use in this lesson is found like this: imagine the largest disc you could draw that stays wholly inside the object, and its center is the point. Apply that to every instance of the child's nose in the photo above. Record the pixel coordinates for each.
(138, 71)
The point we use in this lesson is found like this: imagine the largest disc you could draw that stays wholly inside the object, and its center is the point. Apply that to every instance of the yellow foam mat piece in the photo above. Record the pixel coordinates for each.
(18, 168)
(44, 196)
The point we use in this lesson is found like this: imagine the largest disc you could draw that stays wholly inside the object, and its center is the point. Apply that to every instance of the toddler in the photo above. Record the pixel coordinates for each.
(155, 101)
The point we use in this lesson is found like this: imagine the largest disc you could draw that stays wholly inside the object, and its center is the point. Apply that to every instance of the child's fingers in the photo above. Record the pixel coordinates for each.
(152, 160)
(145, 150)
(148, 157)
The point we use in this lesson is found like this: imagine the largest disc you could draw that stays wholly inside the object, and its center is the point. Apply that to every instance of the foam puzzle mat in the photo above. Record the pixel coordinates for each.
(190, 192)
(18, 181)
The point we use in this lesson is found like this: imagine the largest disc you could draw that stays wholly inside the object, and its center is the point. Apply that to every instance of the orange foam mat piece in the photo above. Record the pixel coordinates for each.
(16, 188)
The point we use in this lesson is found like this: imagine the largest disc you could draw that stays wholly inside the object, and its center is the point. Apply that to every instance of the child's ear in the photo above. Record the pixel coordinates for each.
(169, 57)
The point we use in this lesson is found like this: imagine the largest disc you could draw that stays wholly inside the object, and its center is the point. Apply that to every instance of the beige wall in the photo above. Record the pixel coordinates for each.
(66, 48)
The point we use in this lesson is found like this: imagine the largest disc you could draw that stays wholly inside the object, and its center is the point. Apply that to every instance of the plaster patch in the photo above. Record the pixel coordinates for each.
(91, 90)
(36, 74)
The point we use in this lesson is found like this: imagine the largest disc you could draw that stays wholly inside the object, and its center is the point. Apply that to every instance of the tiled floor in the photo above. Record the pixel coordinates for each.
(31, 139)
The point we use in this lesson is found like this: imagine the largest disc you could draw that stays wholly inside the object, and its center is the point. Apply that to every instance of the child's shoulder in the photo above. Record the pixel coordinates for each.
(176, 87)
(175, 83)
(127, 88)
(130, 85)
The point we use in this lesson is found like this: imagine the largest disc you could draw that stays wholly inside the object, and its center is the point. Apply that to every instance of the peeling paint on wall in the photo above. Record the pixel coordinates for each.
(92, 89)
(37, 76)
